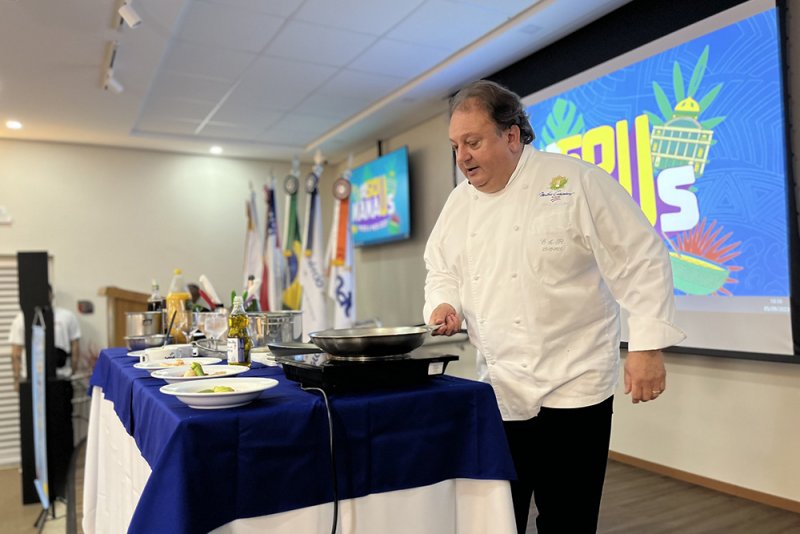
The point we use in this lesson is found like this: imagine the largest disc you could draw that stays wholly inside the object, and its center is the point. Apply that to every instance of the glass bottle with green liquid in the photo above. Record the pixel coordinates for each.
(239, 342)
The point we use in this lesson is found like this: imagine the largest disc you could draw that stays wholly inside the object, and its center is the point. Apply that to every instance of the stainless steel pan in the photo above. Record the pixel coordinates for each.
(371, 342)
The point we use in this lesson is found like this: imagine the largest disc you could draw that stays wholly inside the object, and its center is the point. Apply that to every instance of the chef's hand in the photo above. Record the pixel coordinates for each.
(645, 375)
(445, 315)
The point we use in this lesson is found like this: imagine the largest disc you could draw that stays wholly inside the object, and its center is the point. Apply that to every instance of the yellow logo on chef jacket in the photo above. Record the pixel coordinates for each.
(558, 183)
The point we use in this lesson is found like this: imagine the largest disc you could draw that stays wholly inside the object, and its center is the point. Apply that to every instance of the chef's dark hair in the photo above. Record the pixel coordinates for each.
(502, 105)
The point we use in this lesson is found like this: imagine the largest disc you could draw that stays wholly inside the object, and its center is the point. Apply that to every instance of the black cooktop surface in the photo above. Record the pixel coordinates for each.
(338, 374)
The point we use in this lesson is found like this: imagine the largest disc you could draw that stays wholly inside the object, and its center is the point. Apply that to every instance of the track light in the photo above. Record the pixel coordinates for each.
(112, 84)
(108, 81)
(129, 15)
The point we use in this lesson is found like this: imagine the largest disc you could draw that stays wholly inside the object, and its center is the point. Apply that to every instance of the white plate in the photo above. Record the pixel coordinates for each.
(175, 374)
(136, 353)
(246, 389)
(175, 362)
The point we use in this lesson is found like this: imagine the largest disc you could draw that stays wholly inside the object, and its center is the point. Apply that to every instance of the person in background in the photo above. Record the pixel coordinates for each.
(66, 339)
(536, 252)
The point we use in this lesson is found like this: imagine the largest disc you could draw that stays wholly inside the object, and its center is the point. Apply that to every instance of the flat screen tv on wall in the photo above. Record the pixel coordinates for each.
(379, 200)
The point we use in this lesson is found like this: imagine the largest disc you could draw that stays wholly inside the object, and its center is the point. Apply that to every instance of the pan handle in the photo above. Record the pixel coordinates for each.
(432, 327)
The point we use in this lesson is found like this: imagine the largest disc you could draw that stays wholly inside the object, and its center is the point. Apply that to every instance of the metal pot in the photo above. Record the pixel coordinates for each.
(143, 323)
(370, 342)
(281, 326)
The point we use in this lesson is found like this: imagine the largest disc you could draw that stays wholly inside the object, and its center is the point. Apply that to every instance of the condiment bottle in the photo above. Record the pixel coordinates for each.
(179, 301)
(239, 342)
(156, 302)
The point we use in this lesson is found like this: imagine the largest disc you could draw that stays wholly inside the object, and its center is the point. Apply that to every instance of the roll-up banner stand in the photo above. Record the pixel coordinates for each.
(39, 402)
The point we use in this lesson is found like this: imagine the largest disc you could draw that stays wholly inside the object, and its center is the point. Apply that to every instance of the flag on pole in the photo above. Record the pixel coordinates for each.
(341, 286)
(272, 274)
(312, 264)
(252, 243)
(292, 293)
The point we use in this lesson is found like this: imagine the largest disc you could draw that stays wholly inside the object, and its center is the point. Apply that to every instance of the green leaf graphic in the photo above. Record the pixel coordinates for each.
(699, 71)
(654, 119)
(712, 94)
(710, 123)
(663, 102)
(561, 122)
(677, 82)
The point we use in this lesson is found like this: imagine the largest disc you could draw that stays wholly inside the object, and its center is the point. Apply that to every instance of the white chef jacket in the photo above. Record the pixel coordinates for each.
(538, 268)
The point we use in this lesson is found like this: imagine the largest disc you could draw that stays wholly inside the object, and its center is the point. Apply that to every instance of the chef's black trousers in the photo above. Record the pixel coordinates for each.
(560, 457)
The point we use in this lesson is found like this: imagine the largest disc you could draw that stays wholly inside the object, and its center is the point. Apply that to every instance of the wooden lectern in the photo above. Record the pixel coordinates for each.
(121, 301)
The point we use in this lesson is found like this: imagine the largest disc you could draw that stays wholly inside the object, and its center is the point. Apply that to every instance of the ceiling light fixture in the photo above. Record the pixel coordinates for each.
(13, 125)
(110, 83)
(129, 15)
(216, 150)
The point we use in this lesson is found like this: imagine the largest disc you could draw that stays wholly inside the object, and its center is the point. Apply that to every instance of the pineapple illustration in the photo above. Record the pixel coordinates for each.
(679, 136)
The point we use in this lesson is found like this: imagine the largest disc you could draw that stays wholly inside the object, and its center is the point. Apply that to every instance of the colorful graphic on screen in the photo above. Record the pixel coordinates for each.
(696, 135)
(379, 205)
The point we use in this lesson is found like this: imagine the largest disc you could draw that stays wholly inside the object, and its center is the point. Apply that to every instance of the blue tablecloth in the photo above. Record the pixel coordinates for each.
(210, 467)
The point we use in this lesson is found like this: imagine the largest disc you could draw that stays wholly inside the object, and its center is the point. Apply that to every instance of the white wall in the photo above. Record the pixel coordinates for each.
(122, 217)
(729, 420)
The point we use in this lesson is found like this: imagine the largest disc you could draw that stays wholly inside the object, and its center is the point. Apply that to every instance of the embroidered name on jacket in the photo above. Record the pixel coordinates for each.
(555, 196)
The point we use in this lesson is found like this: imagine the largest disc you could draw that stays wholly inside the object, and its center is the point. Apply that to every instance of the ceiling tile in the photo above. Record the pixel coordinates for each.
(399, 58)
(182, 108)
(336, 106)
(161, 125)
(315, 125)
(228, 130)
(233, 112)
(223, 26)
(281, 8)
(207, 61)
(261, 86)
(280, 136)
(466, 23)
(362, 85)
(508, 8)
(318, 44)
(374, 17)
(178, 85)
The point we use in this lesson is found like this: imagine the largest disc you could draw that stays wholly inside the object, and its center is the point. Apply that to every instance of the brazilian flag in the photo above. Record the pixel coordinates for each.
(293, 294)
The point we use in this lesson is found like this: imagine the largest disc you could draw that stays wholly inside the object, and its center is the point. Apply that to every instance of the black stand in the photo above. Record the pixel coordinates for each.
(42, 519)
(33, 293)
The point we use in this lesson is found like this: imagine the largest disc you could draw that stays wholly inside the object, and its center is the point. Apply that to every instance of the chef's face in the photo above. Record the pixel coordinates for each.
(485, 154)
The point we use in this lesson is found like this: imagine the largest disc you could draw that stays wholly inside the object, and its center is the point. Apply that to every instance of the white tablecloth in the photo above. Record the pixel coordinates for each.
(116, 473)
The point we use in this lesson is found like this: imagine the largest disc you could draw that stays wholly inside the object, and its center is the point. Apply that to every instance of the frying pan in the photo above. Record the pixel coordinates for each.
(371, 342)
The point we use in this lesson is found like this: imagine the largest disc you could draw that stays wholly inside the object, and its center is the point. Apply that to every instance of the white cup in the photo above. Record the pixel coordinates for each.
(168, 351)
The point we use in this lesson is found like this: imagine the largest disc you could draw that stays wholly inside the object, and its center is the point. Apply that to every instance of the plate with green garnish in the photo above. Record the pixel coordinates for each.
(216, 393)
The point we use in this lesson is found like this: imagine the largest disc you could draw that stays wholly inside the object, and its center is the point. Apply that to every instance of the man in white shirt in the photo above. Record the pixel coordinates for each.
(536, 252)
(66, 339)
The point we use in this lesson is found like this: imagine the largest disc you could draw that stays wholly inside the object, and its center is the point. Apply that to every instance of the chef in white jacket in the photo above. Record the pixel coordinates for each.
(537, 252)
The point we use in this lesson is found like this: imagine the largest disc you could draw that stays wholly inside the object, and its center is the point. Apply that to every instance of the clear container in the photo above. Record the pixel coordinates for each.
(179, 304)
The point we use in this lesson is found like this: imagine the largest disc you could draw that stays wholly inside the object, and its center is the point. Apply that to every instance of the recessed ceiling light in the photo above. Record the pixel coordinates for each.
(216, 150)
(13, 125)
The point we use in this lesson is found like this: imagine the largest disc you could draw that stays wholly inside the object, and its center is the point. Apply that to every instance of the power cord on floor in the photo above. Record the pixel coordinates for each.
(333, 456)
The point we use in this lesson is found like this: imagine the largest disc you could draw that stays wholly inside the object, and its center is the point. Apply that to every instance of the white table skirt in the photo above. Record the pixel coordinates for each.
(116, 473)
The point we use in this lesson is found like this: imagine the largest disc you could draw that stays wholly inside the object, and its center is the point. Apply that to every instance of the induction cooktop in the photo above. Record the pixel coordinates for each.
(339, 374)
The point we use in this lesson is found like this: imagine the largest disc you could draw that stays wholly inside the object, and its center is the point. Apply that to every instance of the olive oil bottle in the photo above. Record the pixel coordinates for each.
(239, 342)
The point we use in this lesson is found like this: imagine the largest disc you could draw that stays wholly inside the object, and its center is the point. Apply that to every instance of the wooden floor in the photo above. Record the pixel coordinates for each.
(634, 501)
(637, 501)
